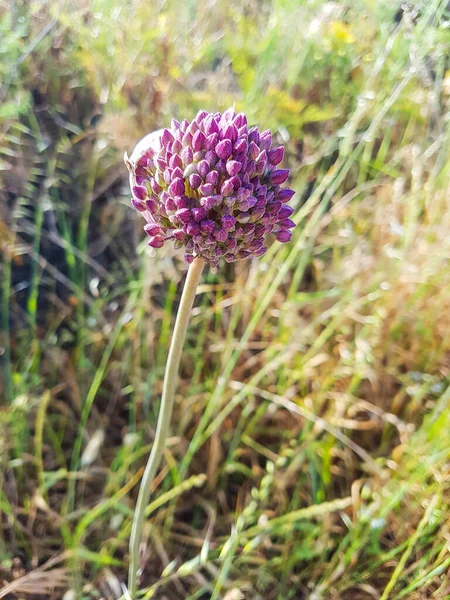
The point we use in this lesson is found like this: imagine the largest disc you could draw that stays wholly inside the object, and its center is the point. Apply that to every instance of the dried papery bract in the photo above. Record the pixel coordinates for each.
(213, 187)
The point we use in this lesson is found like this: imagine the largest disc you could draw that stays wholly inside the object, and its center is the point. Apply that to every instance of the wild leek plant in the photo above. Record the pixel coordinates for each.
(213, 186)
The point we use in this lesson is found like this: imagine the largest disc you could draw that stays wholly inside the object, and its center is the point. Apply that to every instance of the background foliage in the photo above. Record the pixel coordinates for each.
(309, 455)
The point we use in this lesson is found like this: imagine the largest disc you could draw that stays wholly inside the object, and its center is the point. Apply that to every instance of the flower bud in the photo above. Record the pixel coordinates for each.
(224, 149)
(166, 137)
(198, 141)
(187, 155)
(189, 170)
(156, 242)
(286, 224)
(227, 188)
(151, 205)
(152, 229)
(283, 235)
(212, 177)
(240, 146)
(199, 213)
(156, 188)
(138, 204)
(195, 181)
(184, 215)
(211, 127)
(203, 168)
(285, 195)
(192, 228)
(265, 140)
(207, 203)
(175, 161)
(140, 192)
(207, 226)
(220, 235)
(211, 157)
(206, 189)
(176, 188)
(228, 222)
(211, 141)
(285, 212)
(233, 167)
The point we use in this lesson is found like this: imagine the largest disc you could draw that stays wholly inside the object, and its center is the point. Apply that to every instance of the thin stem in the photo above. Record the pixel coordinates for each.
(165, 413)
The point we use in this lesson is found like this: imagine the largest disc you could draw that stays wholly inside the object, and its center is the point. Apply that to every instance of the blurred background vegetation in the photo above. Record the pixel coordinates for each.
(310, 453)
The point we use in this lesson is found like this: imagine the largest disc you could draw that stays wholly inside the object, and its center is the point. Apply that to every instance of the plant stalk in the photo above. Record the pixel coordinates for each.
(164, 418)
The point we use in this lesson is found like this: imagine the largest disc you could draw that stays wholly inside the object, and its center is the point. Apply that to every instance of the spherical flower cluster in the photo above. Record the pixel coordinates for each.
(212, 185)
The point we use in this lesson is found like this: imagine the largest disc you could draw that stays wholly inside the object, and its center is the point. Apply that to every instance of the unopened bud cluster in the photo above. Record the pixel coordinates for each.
(214, 187)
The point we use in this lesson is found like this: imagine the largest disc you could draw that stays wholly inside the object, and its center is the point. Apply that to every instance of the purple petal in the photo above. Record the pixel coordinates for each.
(143, 161)
(240, 120)
(253, 151)
(274, 207)
(171, 205)
(253, 135)
(230, 133)
(201, 115)
(177, 146)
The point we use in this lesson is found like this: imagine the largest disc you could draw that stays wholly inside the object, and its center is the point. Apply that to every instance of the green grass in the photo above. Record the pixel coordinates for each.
(309, 455)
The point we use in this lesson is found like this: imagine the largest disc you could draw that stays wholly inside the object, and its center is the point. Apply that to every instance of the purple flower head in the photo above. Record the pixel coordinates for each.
(213, 186)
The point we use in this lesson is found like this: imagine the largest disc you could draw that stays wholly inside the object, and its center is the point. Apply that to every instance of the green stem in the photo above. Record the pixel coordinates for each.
(165, 413)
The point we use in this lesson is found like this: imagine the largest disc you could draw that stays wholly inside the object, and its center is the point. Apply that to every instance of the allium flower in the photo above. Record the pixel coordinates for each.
(212, 185)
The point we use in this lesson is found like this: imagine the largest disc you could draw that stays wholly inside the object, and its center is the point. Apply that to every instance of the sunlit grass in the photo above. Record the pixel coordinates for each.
(309, 451)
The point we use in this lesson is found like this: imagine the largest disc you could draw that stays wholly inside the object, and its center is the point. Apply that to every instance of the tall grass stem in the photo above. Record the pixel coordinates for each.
(165, 413)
